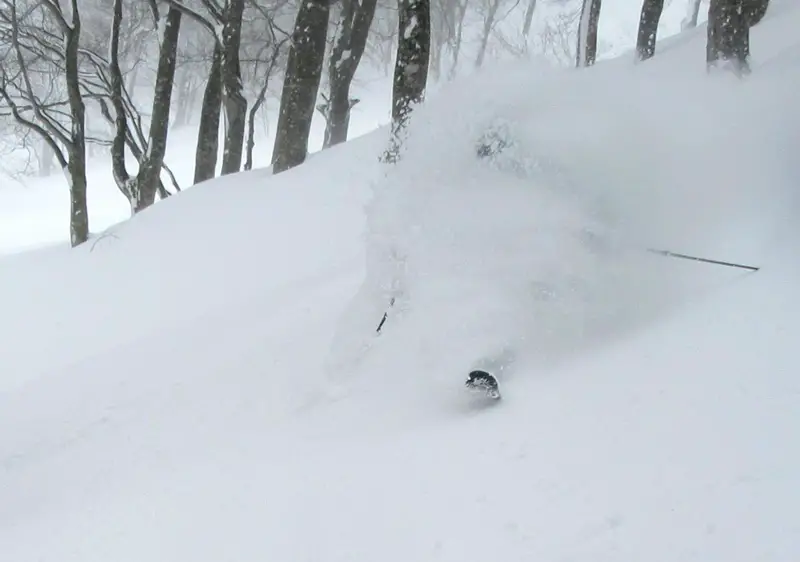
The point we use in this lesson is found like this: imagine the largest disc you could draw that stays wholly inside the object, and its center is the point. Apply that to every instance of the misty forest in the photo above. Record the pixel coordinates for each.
(81, 78)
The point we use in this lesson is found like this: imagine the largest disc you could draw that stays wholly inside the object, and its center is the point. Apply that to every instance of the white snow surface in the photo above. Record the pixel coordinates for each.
(204, 382)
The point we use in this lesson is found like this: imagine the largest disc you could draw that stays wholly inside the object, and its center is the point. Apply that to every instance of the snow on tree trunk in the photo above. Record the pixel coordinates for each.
(648, 28)
(79, 214)
(345, 57)
(150, 169)
(755, 10)
(76, 167)
(338, 122)
(728, 36)
(300, 85)
(587, 33)
(411, 68)
(234, 101)
(205, 164)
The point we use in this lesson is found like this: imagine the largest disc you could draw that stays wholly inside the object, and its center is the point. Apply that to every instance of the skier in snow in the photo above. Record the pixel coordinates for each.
(480, 259)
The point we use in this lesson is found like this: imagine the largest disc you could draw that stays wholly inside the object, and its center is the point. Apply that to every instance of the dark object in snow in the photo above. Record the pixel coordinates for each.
(481, 380)
(728, 33)
(385, 316)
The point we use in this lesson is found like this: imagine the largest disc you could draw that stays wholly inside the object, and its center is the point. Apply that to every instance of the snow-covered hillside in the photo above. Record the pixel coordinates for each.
(203, 382)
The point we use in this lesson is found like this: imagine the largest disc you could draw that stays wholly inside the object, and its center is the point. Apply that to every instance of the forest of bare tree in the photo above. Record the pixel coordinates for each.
(79, 78)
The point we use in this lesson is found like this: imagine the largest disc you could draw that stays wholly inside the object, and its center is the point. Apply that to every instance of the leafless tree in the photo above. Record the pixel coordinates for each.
(526, 26)
(189, 82)
(692, 12)
(208, 133)
(149, 149)
(301, 84)
(648, 28)
(262, 72)
(587, 33)
(223, 20)
(43, 37)
(348, 48)
(729, 23)
(411, 68)
(382, 39)
(554, 39)
(107, 87)
(490, 10)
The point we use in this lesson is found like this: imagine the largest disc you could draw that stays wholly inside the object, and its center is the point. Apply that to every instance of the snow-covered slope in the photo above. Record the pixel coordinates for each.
(203, 382)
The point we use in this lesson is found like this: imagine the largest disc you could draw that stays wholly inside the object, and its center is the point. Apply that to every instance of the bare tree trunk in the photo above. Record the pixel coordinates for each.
(46, 121)
(46, 160)
(728, 40)
(234, 101)
(79, 213)
(435, 68)
(76, 148)
(259, 101)
(526, 27)
(251, 131)
(181, 100)
(150, 168)
(692, 11)
(300, 85)
(133, 81)
(488, 25)
(186, 90)
(344, 60)
(119, 171)
(411, 68)
(754, 11)
(456, 46)
(125, 136)
(587, 33)
(205, 163)
(191, 103)
(648, 28)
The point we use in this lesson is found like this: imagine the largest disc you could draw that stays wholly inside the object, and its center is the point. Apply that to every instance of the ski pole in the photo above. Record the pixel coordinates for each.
(385, 315)
(670, 254)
